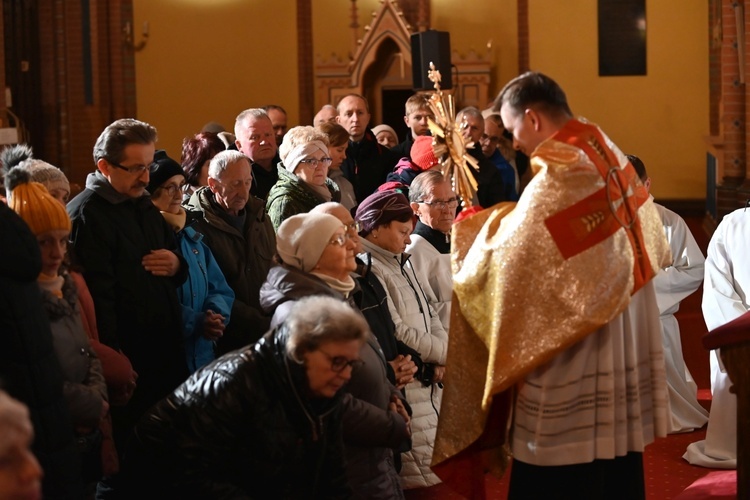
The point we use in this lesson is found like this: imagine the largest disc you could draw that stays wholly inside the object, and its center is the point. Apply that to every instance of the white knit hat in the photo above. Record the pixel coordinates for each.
(302, 238)
(301, 152)
(383, 127)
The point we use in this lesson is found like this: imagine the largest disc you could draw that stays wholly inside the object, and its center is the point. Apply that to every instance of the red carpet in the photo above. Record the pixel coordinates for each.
(666, 473)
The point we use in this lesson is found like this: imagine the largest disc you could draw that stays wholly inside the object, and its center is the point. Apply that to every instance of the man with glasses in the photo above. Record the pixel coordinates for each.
(130, 261)
(238, 231)
(434, 203)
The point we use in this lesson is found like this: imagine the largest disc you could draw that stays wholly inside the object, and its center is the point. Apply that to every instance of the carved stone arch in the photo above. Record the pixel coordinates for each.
(388, 72)
(381, 70)
(384, 44)
(387, 40)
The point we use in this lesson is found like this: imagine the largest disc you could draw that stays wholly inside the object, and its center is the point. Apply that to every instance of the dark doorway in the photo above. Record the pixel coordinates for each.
(393, 110)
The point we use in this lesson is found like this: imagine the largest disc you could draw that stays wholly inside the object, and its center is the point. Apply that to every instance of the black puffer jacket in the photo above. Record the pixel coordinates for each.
(29, 370)
(241, 427)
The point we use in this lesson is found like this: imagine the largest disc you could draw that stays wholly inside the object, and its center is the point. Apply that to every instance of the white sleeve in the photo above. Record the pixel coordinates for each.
(674, 283)
(726, 279)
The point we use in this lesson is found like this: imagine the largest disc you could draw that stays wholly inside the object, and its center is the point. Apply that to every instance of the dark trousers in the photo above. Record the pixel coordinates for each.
(617, 479)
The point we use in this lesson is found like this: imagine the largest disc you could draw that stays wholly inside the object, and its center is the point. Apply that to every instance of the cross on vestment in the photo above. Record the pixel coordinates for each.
(600, 215)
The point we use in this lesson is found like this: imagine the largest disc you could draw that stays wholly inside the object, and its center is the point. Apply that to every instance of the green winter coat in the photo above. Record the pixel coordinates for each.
(291, 196)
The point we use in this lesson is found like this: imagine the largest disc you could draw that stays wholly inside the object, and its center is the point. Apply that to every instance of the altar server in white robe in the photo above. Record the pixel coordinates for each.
(673, 284)
(725, 297)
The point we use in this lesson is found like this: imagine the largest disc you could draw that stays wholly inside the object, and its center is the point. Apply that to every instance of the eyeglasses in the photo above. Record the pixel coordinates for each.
(131, 170)
(340, 239)
(338, 363)
(442, 205)
(493, 139)
(172, 189)
(355, 226)
(315, 163)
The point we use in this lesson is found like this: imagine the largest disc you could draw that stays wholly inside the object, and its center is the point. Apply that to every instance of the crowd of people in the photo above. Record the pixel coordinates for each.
(269, 314)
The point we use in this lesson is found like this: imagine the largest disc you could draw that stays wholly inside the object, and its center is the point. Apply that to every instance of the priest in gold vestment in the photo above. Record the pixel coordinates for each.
(555, 356)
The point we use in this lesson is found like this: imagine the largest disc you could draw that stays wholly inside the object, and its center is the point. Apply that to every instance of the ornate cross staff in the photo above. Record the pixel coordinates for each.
(449, 143)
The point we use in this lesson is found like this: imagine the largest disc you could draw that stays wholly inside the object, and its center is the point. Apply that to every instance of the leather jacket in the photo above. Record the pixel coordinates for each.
(241, 427)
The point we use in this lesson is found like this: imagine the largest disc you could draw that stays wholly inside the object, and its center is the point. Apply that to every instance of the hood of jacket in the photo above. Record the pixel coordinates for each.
(99, 184)
(404, 164)
(202, 205)
(285, 283)
(391, 259)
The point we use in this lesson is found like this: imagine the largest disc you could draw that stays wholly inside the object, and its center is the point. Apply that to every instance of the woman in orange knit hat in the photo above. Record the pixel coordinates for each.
(84, 386)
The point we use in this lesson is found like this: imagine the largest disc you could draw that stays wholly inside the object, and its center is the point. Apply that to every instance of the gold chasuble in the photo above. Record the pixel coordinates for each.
(533, 278)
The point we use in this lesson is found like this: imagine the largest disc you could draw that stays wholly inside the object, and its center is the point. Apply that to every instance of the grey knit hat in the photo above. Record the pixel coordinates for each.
(21, 156)
(302, 238)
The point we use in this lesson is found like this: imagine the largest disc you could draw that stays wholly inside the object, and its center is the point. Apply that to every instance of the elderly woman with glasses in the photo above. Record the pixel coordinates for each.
(316, 257)
(434, 203)
(386, 220)
(205, 297)
(263, 421)
(303, 175)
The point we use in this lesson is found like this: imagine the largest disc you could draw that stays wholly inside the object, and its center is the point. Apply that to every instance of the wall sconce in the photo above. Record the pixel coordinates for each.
(127, 31)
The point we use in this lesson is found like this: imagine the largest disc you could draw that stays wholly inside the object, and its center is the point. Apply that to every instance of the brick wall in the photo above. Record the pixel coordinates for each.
(86, 78)
(728, 100)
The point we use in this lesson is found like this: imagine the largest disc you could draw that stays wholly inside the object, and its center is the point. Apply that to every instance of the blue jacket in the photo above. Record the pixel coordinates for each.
(206, 288)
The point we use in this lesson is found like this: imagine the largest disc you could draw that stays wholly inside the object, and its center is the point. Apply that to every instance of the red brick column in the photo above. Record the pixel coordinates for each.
(305, 62)
(730, 142)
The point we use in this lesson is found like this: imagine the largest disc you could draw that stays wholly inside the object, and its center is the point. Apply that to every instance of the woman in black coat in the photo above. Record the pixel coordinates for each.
(29, 370)
(317, 257)
(260, 422)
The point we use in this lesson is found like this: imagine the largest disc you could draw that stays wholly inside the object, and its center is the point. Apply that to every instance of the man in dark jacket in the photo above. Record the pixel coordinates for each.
(130, 262)
(367, 163)
(29, 370)
(238, 231)
(255, 138)
(491, 188)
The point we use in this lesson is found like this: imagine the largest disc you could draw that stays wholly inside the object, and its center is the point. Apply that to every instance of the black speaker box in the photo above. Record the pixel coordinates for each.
(434, 47)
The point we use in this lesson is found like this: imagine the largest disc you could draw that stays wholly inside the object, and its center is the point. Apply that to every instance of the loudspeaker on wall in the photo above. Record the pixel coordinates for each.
(427, 47)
